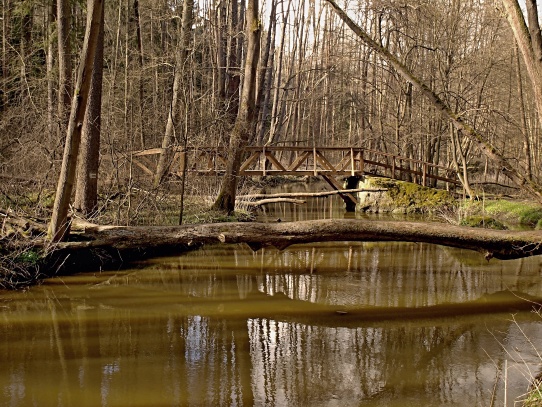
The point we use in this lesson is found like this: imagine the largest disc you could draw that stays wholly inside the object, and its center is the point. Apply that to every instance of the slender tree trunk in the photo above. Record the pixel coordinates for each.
(140, 61)
(86, 193)
(241, 132)
(25, 45)
(176, 107)
(529, 41)
(59, 226)
(275, 115)
(6, 6)
(221, 46)
(233, 77)
(51, 16)
(523, 118)
(64, 65)
(262, 92)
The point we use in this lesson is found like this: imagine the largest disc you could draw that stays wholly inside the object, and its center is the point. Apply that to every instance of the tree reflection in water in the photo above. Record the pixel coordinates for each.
(226, 326)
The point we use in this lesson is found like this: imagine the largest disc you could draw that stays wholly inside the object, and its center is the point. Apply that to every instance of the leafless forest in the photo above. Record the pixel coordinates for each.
(230, 73)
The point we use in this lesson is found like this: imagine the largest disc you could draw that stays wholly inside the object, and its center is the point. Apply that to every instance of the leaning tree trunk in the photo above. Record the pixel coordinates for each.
(59, 226)
(86, 193)
(483, 144)
(243, 127)
(529, 41)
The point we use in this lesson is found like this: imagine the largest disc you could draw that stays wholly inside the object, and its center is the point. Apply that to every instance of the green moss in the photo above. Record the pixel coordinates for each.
(519, 212)
(412, 197)
(486, 222)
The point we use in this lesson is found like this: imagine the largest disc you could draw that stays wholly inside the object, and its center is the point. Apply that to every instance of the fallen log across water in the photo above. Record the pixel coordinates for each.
(491, 243)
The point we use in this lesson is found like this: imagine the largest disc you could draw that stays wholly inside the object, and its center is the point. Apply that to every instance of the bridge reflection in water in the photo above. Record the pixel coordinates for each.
(226, 326)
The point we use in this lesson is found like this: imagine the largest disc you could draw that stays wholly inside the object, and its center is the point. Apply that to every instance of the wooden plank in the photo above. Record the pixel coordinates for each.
(325, 162)
(274, 161)
(341, 166)
(143, 167)
(151, 151)
(248, 162)
(299, 160)
(338, 187)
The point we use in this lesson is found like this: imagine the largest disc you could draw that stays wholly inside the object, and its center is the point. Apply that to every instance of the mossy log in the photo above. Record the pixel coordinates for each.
(491, 243)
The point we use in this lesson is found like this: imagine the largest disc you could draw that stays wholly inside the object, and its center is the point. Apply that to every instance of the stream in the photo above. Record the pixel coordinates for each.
(333, 324)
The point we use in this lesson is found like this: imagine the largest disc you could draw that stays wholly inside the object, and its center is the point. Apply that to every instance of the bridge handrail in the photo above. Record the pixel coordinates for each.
(159, 150)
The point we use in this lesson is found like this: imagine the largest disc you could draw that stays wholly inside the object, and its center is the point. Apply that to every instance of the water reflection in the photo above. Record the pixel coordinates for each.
(226, 326)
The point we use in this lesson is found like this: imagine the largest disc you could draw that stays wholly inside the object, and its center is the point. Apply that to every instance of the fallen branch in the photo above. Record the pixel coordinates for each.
(272, 200)
(310, 194)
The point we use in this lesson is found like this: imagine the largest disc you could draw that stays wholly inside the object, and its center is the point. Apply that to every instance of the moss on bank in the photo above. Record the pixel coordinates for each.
(486, 222)
(507, 212)
(404, 197)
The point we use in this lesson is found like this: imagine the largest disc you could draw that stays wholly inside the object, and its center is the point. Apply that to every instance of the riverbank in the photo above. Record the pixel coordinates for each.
(25, 257)
(400, 197)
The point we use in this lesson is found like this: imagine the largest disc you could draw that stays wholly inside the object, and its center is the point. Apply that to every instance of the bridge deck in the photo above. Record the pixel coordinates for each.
(329, 162)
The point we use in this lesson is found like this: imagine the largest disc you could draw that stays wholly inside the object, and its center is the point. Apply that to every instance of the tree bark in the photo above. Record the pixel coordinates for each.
(59, 226)
(176, 107)
(243, 128)
(529, 41)
(86, 193)
(140, 60)
(491, 243)
(483, 144)
(64, 65)
(51, 18)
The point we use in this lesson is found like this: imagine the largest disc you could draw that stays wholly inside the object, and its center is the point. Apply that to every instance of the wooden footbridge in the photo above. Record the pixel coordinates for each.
(330, 163)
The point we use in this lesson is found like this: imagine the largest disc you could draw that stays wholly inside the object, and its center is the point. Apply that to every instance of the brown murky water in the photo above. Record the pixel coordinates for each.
(341, 324)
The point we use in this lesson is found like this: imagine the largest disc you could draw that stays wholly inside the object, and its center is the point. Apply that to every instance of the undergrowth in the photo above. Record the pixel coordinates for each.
(19, 268)
(501, 212)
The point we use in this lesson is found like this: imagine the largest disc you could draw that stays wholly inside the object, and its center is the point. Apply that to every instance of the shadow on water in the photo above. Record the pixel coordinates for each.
(334, 324)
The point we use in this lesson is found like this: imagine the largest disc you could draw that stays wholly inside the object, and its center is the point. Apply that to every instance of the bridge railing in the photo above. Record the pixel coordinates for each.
(296, 160)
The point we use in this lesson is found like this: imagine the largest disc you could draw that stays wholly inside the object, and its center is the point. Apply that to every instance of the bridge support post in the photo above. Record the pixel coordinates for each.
(351, 183)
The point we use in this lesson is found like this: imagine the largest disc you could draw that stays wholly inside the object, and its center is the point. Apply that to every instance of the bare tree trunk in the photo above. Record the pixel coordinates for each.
(261, 92)
(86, 193)
(276, 117)
(6, 6)
(233, 74)
(529, 41)
(241, 132)
(221, 50)
(64, 65)
(176, 107)
(140, 60)
(51, 15)
(483, 144)
(523, 118)
(59, 226)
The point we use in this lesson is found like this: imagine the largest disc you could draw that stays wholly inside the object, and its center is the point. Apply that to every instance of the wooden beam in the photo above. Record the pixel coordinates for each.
(274, 161)
(299, 160)
(248, 162)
